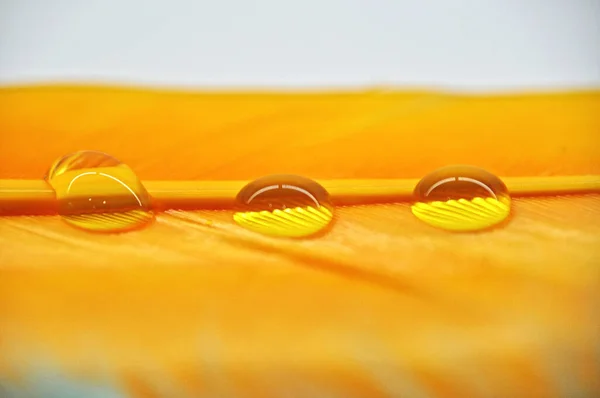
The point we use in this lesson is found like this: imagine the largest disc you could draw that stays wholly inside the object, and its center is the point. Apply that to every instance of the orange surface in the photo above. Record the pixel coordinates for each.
(381, 305)
(171, 135)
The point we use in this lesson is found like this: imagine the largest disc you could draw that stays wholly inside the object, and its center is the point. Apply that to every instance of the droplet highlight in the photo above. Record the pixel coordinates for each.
(284, 206)
(98, 193)
(461, 198)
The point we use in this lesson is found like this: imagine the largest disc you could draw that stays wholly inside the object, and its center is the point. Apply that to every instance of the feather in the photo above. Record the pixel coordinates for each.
(382, 305)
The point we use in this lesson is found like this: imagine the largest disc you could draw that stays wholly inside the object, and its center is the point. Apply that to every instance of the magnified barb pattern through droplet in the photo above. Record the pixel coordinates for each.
(96, 192)
(461, 198)
(284, 205)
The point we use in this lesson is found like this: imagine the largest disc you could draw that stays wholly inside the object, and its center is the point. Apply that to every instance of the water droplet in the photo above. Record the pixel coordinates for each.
(98, 193)
(284, 205)
(461, 198)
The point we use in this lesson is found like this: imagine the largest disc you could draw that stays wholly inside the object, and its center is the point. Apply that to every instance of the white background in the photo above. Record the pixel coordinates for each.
(476, 44)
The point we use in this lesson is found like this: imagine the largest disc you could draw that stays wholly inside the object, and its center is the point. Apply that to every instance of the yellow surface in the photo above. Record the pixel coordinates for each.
(382, 305)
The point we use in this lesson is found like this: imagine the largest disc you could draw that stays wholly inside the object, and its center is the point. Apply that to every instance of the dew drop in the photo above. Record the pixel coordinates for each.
(285, 206)
(98, 193)
(461, 198)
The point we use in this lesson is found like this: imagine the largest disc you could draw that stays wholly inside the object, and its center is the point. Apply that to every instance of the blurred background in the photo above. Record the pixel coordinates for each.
(488, 45)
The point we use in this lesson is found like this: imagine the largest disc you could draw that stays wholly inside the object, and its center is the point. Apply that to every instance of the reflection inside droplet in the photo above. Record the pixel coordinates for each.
(284, 205)
(98, 193)
(461, 198)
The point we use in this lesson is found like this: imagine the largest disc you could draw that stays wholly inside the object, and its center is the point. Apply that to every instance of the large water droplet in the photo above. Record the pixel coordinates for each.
(284, 205)
(97, 192)
(461, 198)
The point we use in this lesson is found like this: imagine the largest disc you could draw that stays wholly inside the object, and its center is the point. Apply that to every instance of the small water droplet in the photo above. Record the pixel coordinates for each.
(97, 192)
(284, 205)
(461, 198)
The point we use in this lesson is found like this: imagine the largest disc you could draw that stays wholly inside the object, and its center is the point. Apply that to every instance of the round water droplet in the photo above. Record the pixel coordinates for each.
(98, 193)
(284, 205)
(461, 198)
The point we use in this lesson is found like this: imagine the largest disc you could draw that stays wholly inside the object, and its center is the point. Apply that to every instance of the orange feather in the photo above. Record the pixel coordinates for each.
(381, 305)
